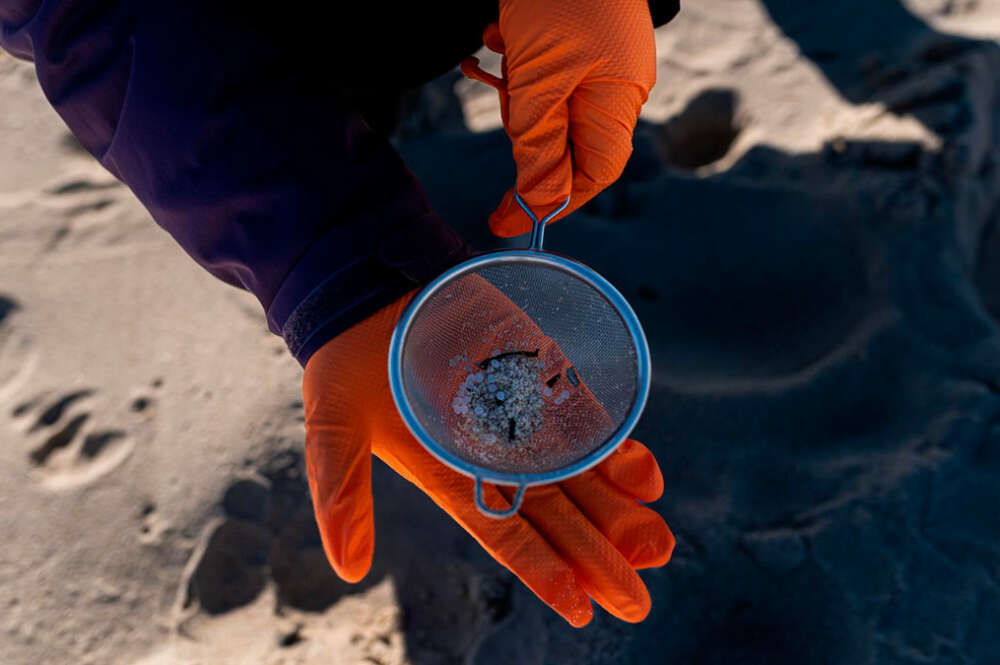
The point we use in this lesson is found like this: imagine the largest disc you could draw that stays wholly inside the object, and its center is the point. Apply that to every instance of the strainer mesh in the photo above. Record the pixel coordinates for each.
(580, 337)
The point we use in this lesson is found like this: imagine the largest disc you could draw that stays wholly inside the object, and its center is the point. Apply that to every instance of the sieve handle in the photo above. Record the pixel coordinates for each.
(499, 514)
(538, 228)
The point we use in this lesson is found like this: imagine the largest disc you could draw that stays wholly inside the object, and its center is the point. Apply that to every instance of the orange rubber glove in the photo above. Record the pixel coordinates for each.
(579, 539)
(574, 78)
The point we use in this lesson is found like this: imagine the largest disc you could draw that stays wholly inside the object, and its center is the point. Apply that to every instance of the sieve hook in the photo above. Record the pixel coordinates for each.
(499, 514)
(538, 228)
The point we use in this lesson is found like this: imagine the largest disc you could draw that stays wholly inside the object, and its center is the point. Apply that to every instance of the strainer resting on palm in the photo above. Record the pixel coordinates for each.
(570, 541)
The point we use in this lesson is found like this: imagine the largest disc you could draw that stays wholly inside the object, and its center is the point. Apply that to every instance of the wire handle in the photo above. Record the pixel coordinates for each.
(538, 228)
(498, 514)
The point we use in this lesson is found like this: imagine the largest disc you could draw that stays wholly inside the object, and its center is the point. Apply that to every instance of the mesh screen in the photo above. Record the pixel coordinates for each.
(522, 344)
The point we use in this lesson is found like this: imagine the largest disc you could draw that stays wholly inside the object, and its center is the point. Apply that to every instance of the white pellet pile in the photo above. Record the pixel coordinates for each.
(502, 402)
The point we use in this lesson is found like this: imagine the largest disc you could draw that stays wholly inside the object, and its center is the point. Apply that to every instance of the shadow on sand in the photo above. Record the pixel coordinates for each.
(827, 370)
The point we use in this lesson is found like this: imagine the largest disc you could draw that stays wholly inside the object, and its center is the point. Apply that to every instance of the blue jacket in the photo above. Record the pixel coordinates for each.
(242, 133)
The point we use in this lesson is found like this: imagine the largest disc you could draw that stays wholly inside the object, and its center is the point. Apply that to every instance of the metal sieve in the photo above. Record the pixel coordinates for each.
(519, 313)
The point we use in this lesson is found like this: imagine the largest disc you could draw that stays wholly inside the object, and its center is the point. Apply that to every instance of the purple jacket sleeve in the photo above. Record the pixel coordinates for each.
(268, 182)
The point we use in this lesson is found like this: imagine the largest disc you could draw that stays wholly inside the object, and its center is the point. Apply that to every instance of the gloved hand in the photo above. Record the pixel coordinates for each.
(579, 539)
(574, 77)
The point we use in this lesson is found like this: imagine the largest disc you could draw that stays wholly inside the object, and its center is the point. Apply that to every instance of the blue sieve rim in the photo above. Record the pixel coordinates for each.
(596, 281)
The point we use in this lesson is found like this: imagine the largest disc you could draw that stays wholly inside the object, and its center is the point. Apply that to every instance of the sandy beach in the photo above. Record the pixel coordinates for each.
(807, 230)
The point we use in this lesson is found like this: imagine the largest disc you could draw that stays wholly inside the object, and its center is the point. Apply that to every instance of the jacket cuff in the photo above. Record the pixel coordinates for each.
(314, 305)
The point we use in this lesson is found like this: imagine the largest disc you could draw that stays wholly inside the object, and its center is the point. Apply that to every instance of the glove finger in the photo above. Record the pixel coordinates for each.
(517, 544)
(492, 39)
(512, 541)
(538, 126)
(633, 469)
(602, 117)
(338, 464)
(600, 568)
(638, 532)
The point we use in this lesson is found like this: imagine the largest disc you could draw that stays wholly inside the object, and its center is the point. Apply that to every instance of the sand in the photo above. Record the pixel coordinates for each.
(807, 231)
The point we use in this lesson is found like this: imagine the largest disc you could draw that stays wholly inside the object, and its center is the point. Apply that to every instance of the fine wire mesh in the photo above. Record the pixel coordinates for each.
(478, 312)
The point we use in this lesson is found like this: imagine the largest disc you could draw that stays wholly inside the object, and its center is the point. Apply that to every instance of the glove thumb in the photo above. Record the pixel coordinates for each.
(339, 467)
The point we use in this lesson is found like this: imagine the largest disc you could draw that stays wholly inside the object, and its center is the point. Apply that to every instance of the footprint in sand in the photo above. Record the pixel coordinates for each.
(18, 356)
(66, 447)
(268, 536)
(85, 205)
